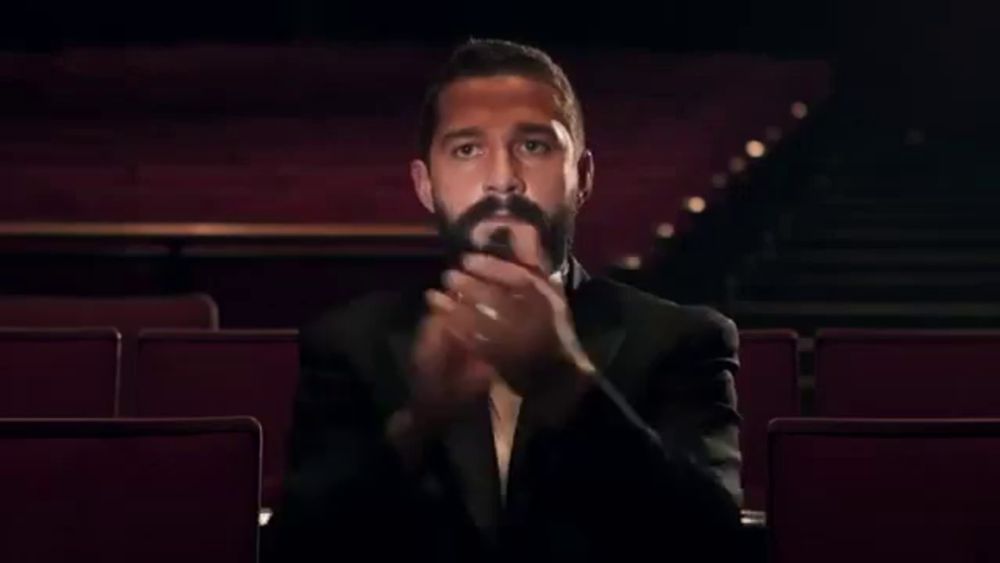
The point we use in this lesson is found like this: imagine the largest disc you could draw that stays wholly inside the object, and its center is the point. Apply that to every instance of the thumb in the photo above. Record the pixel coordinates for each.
(527, 246)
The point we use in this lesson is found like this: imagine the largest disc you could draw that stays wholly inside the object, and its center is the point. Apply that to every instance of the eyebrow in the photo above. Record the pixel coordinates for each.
(525, 128)
(463, 133)
(536, 129)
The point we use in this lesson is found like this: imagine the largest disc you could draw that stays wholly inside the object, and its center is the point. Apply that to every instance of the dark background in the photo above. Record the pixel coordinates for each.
(934, 59)
(902, 70)
(796, 27)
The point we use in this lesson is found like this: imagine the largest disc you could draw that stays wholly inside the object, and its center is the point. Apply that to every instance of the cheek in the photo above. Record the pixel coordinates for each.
(456, 186)
(548, 184)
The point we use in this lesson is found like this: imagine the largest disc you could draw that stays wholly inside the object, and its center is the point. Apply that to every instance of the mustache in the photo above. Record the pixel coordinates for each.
(516, 206)
(556, 231)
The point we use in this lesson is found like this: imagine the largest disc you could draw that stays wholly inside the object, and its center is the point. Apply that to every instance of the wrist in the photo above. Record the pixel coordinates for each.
(408, 434)
(567, 379)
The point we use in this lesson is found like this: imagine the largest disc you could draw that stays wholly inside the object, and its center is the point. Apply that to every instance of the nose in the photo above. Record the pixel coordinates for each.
(505, 175)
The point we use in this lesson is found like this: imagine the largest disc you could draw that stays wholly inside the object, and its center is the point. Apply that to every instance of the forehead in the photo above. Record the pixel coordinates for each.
(497, 101)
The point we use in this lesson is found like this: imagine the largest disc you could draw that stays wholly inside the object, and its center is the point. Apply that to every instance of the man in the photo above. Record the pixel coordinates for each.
(523, 410)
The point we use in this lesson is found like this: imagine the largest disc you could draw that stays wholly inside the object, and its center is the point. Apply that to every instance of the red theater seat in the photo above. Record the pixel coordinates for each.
(127, 314)
(50, 373)
(119, 491)
(223, 373)
(215, 133)
(899, 374)
(766, 388)
(916, 491)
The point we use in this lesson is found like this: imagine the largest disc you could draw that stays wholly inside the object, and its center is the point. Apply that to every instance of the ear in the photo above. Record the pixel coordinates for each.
(585, 177)
(421, 177)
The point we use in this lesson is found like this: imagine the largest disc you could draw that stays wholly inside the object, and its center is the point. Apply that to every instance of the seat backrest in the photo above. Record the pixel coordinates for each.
(59, 373)
(223, 373)
(907, 374)
(866, 490)
(766, 388)
(127, 314)
(117, 490)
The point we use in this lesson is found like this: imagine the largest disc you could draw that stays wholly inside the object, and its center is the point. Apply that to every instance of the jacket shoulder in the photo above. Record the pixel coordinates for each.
(697, 326)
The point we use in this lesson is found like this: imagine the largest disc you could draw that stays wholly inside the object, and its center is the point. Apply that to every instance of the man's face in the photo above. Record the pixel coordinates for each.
(503, 169)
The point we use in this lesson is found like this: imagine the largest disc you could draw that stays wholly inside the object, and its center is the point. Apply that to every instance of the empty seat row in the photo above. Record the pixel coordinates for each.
(74, 373)
(117, 490)
(167, 490)
(128, 315)
(204, 373)
(877, 373)
(223, 373)
(862, 373)
(877, 490)
(162, 490)
(907, 374)
(293, 155)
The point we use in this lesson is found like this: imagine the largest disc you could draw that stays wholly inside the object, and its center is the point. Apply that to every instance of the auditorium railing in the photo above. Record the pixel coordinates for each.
(261, 274)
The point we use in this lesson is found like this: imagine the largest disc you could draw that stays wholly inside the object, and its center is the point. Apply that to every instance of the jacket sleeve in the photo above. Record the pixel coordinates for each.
(657, 479)
(345, 483)
(695, 404)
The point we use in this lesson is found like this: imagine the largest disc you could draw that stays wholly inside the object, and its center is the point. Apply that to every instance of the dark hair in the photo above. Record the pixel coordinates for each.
(493, 57)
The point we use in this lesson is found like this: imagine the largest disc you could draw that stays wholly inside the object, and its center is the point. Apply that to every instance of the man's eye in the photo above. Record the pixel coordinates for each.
(532, 146)
(467, 150)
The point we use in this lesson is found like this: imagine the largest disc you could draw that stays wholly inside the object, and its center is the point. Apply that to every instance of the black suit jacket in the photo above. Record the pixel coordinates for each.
(647, 467)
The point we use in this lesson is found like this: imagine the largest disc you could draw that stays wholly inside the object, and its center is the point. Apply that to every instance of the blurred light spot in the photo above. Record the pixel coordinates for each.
(737, 164)
(665, 230)
(695, 204)
(719, 180)
(800, 110)
(753, 518)
(755, 148)
(264, 516)
(772, 133)
(631, 262)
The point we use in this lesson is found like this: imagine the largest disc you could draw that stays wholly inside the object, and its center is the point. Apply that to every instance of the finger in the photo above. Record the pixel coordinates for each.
(430, 350)
(477, 332)
(512, 276)
(461, 324)
(527, 247)
(444, 328)
(457, 353)
(471, 289)
(518, 279)
(439, 302)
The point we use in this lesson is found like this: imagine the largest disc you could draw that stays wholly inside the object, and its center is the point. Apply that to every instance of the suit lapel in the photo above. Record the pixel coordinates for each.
(597, 317)
(468, 443)
(599, 326)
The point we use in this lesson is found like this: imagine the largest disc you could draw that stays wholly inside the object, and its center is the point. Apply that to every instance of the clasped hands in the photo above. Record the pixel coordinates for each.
(494, 319)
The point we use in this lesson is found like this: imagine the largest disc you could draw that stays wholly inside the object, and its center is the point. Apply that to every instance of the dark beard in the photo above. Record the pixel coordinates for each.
(555, 231)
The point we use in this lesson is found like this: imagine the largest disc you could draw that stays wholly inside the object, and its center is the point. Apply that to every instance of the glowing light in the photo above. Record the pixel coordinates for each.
(264, 516)
(719, 180)
(695, 204)
(737, 164)
(755, 148)
(772, 133)
(631, 262)
(665, 230)
(800, 110)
